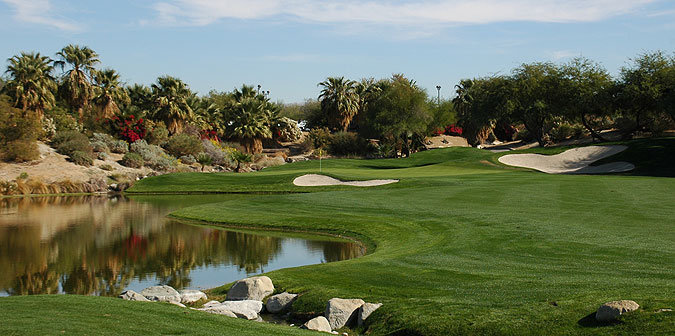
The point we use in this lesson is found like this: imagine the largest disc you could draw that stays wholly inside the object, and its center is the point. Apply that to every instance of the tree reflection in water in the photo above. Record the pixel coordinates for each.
(96, 245)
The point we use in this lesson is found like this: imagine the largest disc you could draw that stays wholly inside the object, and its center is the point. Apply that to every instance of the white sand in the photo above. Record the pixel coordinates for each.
(573, 161)
(314, 180)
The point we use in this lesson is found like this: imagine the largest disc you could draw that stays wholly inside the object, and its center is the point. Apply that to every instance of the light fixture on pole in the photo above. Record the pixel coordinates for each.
(438, 87)
(259, 86)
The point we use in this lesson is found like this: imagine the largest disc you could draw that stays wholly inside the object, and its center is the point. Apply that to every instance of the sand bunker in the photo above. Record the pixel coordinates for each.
(314, 180)
(573, 161)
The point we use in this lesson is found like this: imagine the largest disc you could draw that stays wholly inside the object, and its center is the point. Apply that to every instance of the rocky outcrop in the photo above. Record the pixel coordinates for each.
(162, 294)
(280, 302)
(611, 310)
(365, 311)
(318, 324)
(133, 296)
(341, 312)
(191, 296)
(254, 288)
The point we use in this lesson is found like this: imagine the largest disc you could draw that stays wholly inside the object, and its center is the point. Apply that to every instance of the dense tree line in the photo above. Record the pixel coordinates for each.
(71, 93)
(544, 97)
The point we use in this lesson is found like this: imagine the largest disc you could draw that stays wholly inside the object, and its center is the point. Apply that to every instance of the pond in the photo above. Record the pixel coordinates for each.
(100, 245)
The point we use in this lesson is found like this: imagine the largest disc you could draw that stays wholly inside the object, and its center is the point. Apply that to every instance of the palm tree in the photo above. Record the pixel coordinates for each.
(251, 118)
(170, 103)
(366, 91)
(31, 83)
(339, 100)
(77, 83)
(109, 93)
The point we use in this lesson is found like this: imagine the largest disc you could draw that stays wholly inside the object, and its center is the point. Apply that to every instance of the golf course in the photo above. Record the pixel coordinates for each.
(462, 244)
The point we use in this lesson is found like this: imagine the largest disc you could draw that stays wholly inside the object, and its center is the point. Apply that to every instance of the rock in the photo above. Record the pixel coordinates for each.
(133, 296)
(211, 304)
(318, 324)
(280, 302)
(220, 310)
(341, 312)
(191, 296)
(247, 309)
(162, 294)
(611, 310)
(178, 304)
(254, 288)
(366, 310)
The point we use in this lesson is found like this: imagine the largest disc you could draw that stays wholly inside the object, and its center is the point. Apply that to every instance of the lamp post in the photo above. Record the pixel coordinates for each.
(259, 86)
(438, 87)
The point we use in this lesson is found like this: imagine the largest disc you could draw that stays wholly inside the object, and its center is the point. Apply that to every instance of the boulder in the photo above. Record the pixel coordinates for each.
(191, 296)
(211, 304)
(133, 296)
(247, 309)
(280, 302)
(219, 309)
(318, 324)
(366, 310)
(162, 294)
(254, 288)
(611, 310)
(341, 312)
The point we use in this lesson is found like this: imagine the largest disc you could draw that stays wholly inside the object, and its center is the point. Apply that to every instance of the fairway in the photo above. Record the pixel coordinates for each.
(462, 244)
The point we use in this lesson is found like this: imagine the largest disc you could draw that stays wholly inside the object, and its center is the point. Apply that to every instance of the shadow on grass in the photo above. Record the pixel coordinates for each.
(589, 321)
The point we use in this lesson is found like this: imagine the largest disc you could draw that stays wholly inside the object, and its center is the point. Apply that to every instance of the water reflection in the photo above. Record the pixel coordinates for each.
(102, 246)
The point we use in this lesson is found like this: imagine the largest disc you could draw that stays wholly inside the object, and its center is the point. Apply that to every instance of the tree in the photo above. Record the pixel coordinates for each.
(366, 91)
(76, 82)
(251, 116)
(587, 90)
(339, 101)
(644, 89)
(109, 93)
(537, 97)
(480, 103)
(31, 84)
(400, 114)
(170, 103)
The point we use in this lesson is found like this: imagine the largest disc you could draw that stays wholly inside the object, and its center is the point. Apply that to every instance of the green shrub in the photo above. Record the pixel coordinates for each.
(153, 156)
(81, 158)
(119, 147)
(23, 176)
(221, 153)
(99, 146)
(70, 141)
(184, 144)
(113, 145)
(21, 151)
(348, 143)
(63, 120)
(106, 167)
(158, 134)
(102, 156)
(204, 159)
(317, 138)
(187, 159)
(132, 160)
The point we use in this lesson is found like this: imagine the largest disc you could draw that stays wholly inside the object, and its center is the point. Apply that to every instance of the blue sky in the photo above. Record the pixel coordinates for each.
(288, 46)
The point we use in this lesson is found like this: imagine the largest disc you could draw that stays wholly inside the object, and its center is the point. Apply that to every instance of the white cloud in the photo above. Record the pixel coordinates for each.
(562, 54)
(37, 11)
(401, 12)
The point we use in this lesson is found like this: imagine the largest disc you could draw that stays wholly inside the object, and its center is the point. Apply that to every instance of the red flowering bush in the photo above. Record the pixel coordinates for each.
(129, 128)
(453, 130)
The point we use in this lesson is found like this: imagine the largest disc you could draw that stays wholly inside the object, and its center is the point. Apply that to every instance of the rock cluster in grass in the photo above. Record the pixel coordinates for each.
(245, 300)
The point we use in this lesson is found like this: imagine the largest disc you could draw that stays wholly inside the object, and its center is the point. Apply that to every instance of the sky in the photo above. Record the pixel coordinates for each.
(288, 46)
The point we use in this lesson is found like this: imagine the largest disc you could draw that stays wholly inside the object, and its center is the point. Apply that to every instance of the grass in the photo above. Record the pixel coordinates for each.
(461, 245)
